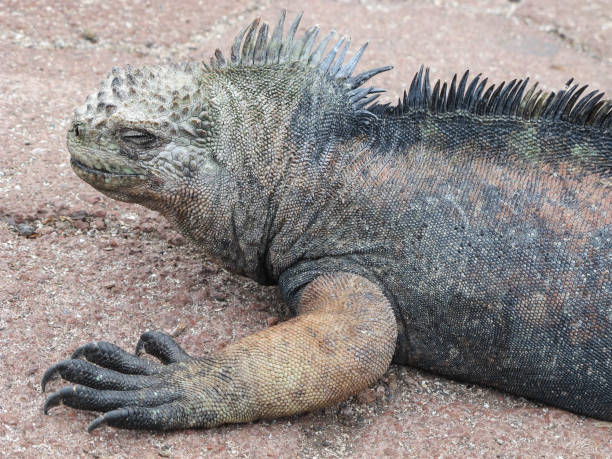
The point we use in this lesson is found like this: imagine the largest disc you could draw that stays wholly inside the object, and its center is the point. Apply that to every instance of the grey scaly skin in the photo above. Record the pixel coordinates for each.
(466, 230)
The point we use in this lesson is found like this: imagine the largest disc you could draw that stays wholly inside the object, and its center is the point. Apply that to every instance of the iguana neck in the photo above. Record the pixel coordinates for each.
(270, 137)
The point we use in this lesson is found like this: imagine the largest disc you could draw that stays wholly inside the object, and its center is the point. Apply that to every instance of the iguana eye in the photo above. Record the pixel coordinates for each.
(78, 129)
(137, 137)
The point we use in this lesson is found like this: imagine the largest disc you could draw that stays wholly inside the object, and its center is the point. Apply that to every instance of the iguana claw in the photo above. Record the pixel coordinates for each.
(161, 346)
(134, 392)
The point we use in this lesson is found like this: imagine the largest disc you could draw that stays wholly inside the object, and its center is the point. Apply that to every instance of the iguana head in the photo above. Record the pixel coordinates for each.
(141, 132)
(207, 144)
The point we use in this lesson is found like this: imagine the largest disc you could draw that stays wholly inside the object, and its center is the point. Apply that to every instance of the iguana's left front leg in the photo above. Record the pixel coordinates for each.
(341, 342)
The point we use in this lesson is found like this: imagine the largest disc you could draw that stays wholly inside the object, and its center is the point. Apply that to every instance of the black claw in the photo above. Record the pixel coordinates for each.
(162, 346)
(108, 355)
(52, 371)
(86, 398)
(106, 418)
(53, 400)
(164, 417)
(86, 373)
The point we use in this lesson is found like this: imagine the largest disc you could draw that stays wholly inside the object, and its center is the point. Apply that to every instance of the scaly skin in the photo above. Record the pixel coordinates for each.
(467, 231)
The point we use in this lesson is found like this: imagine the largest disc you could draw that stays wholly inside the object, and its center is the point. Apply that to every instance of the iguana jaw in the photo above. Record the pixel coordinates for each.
(106, 171)
(103, 179)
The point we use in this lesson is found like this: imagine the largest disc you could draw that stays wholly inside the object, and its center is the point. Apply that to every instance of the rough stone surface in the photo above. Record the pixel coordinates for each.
(76, 266)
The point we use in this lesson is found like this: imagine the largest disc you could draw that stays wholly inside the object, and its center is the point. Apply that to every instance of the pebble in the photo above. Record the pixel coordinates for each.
(25, 230)
(367, 396)
(272, 320)
(81, 224)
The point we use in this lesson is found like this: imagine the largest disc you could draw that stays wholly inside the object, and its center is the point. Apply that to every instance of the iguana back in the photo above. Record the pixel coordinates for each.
(487, 217)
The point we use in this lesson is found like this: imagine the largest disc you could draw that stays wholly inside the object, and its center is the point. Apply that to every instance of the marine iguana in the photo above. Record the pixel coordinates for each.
(466, 230)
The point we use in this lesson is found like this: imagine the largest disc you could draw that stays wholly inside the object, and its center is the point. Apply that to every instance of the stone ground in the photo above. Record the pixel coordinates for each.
(96, 268)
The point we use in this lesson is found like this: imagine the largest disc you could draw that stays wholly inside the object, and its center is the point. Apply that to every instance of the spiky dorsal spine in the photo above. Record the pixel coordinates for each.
(252, 47)
(512, 99)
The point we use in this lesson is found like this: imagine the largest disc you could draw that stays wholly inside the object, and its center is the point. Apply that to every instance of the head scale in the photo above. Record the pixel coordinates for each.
(166, 96)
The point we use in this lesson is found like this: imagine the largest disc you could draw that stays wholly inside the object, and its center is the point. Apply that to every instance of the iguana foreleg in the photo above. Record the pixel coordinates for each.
(342, 341)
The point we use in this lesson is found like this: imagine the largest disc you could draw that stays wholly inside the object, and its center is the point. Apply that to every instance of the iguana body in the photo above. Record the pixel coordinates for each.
(467, 231)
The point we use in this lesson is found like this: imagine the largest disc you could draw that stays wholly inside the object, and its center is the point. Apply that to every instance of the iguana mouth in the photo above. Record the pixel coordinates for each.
(96, 171)
(102, 177)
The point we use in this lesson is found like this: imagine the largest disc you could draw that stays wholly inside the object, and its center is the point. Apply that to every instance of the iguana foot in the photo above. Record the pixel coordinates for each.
(342, 341)
(138, 393)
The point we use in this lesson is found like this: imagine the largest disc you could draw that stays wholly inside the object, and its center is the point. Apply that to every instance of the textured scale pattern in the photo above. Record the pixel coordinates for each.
(466, 230)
